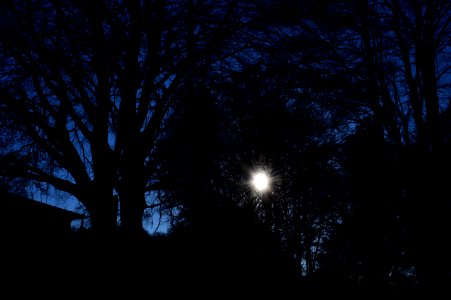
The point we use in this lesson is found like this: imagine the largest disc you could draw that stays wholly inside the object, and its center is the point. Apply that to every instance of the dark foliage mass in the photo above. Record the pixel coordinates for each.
(161, 111)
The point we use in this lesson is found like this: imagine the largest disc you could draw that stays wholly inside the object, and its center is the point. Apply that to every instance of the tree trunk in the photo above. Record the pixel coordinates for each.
(103, 215)
(132, 189)
(428, 74)
(431, 208)
(414, 97)
(102, 207)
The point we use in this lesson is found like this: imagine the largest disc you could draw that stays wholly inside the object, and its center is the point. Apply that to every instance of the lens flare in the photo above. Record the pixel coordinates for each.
(260, 181)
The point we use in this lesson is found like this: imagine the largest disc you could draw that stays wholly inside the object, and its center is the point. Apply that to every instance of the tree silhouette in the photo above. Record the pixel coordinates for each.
(134, 107)
(89, 86)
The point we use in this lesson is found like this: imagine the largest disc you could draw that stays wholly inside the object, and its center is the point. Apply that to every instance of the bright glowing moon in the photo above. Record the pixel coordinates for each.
(260, 181)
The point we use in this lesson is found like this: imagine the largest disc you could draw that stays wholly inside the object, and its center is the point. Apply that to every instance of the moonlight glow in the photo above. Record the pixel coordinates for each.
(260, 181)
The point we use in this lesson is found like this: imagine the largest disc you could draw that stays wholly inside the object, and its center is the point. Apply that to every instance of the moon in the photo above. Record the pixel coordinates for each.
(260, 181)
